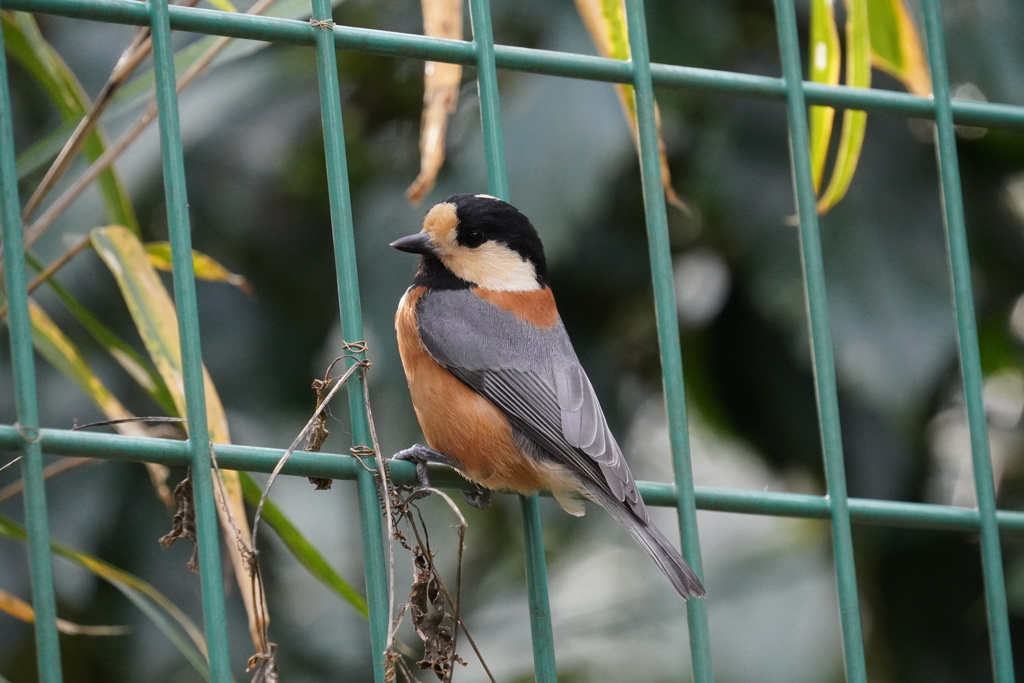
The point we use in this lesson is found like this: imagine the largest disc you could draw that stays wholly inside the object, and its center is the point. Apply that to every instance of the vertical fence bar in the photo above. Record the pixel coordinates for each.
(490, 107)
(26, 403)
(821, 344)
(180, 238)
(44, 599)
(352, 327)
(542, 634)
(967, 335)
(668, 327)
(545, 668)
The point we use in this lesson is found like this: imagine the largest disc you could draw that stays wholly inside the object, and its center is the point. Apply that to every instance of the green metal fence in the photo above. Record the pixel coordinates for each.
(32, 441)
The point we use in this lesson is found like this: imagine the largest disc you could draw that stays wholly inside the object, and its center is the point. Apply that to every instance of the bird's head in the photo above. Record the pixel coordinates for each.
(477, 240)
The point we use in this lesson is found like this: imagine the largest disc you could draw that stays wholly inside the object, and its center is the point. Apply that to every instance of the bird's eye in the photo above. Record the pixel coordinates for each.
(473, 238)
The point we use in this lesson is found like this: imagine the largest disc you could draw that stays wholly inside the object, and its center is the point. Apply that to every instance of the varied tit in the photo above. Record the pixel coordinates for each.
(494, 379)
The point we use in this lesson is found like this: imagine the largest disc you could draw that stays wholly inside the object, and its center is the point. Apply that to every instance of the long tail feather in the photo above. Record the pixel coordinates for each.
(664, 554)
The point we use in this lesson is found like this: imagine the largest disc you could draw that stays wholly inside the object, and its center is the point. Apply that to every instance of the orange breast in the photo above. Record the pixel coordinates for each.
(461, 423)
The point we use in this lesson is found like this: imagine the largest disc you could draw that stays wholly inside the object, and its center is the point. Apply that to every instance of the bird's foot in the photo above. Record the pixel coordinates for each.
(421, 456)
(477, 497)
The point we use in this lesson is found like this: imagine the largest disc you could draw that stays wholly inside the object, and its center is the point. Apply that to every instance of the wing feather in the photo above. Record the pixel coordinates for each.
(534, 377)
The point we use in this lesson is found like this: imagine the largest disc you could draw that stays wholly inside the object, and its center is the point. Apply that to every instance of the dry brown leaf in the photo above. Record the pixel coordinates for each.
(441, 19)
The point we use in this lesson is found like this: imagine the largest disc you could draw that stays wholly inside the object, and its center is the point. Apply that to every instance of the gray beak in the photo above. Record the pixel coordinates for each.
(414, 244)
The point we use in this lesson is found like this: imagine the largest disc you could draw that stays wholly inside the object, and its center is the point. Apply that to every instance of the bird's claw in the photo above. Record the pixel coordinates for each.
(477, 497)
(418, 454)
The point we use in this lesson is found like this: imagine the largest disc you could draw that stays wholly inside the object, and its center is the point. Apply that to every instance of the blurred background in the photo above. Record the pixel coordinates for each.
(258, 199)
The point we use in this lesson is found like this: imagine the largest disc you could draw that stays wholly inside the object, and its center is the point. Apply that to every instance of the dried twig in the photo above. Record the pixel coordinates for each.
(318, 433)
(183, 526)
(302, 435)
(436, 627)
(38, 227)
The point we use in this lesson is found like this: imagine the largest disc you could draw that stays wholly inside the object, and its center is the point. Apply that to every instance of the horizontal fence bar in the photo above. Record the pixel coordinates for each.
(343, 466)
(545, 62)
(862, 510)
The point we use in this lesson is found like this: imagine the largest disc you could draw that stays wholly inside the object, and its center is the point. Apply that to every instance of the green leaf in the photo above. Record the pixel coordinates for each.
(824, 68)
(858, 75)
(879, 33)
(896, 46)
(37, 158)
(178, 628)
(303, 551)
(27, 46)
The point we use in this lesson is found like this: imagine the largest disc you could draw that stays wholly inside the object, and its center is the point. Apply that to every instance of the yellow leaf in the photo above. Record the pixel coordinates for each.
(205, 267)
(161, 611)
(53, 345)
(824, 68)
(21, 610)
(606, 22)
(858, 75)
(156, 320)
(896, 46)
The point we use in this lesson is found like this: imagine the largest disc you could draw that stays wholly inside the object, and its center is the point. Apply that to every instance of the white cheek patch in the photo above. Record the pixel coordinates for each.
(492, 266)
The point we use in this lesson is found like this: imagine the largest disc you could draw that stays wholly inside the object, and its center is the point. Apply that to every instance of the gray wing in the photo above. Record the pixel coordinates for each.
(534, 377)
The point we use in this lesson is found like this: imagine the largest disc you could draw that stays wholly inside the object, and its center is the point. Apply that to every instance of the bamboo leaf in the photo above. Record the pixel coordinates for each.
(223, 5)
(27, 46)
(61, 353)
(303, 551)
(606, 22)
(140, 369)
(858, 75)
(15, 607)
(41, 153)
(139, 88)
(206, 267)
(824, 68)
(178, 628)
(879, 33)
(156, 320)
(896, 46)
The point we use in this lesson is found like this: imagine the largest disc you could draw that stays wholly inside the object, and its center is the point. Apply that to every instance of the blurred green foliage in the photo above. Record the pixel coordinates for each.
(255, 164)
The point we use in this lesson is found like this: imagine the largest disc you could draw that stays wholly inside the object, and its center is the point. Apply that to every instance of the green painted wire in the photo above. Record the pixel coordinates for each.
(490, 101)
(668, 328)
(333, 466)
(44, 600)
(821, 346)
(372, 41)
(207, 529)
(970, 356)
(374, 551)
(541, 630)
(488, 56)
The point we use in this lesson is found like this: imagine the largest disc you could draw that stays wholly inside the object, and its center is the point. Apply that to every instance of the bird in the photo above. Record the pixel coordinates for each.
(495, 383)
